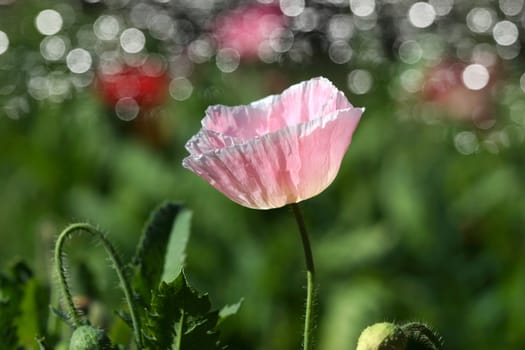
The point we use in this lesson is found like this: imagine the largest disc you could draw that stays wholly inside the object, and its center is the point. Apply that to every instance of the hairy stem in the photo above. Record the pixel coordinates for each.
(310, 272)
(119, 268)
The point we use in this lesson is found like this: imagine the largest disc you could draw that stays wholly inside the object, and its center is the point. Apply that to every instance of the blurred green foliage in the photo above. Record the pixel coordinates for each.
(411, 229)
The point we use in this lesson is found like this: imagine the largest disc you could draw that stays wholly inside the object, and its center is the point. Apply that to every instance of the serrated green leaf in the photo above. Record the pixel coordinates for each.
(229, 310)
(180, 317)
(176, 250)
(149, 259)
(195, 334)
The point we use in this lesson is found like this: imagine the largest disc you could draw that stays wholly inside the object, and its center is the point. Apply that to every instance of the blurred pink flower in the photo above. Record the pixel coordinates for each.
(278, 150)
(445, 89)
(247, 27)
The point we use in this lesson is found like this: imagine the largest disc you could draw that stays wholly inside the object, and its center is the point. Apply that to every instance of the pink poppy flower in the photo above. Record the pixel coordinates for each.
(247, 27)
(279, 150)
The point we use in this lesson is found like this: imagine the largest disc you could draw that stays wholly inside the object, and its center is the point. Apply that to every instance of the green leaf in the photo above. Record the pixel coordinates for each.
(11, 297)
(180, 317)
(149, 259)
(9, 308)
(41, 342)
(229, 310)
(176, 250)
(33, 317)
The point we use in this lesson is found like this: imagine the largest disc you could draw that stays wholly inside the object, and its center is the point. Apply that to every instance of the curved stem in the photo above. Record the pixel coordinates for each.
(61, 273)
(119, 268)
(310, 272)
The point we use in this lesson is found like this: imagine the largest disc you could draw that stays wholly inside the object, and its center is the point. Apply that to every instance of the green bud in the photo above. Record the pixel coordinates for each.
(382, 336)
(89, 338)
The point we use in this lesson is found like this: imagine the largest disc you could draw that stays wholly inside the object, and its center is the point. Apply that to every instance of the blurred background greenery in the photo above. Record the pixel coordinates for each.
(425, 220)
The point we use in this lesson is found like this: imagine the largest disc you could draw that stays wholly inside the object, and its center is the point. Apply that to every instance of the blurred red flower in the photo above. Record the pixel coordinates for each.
(146, 84)
(245, 28)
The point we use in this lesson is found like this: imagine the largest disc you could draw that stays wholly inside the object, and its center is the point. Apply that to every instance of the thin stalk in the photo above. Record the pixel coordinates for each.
(119, 268)
(310, 273)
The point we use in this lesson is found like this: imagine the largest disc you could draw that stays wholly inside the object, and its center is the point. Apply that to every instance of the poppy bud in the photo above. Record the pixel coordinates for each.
(382, 336)
(89, 338)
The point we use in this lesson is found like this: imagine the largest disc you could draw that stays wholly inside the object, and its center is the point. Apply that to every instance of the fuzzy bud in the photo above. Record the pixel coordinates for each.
(89, 338)
(382, 336)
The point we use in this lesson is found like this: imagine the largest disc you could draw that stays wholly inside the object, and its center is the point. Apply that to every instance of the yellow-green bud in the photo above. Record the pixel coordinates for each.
(382, 336)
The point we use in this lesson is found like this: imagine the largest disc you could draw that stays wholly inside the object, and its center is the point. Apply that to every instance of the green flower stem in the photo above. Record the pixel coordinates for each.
(119, 268)
(310, 272)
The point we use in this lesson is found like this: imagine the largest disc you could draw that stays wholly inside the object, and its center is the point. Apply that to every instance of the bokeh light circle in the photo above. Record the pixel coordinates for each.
(359, 81)
(180, 89)
(292, 8)
(411, 80)
(53, 48)
(421, 15)
(475, 76)
(511, 7)
(442, 7)
(49, 22)
(410, 51)
(127, 109)
(340, 52)
(79, 60)
(480, 20)
(340, 27)
(4, 42)
(106, 27)
(505, 33)
(281, 40)
(307, 20)
(227, 60)
(362, 8)
(132, 40)
(466, 142)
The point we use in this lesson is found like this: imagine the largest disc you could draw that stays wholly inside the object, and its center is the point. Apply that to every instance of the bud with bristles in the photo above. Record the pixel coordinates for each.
(382, 336)
(89, 338)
